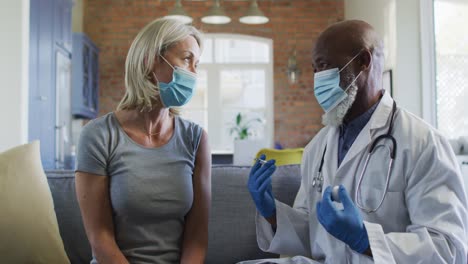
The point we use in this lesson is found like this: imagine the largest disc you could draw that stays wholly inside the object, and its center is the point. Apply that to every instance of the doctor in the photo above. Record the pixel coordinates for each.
(403, 203)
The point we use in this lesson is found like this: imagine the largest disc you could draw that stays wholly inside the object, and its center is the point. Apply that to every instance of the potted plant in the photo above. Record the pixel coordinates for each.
(242, 127)
(245, 146)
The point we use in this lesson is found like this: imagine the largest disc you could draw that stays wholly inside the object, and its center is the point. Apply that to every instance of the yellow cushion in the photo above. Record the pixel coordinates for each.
(28, 226)
(283, 156)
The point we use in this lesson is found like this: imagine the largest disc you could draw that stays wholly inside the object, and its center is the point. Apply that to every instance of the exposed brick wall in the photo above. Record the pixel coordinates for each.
(112, 25)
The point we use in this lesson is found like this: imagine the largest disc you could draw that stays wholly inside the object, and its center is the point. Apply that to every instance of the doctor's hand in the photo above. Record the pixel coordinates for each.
(259, 185)
(346, 224)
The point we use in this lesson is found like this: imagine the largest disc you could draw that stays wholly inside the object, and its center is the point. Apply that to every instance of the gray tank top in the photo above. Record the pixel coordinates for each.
(151, 189)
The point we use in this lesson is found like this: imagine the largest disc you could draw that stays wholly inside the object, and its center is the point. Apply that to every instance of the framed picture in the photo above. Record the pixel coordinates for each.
(388, 81)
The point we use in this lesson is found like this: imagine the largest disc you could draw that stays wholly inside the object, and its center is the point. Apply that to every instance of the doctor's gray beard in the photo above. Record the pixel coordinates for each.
(335, 116)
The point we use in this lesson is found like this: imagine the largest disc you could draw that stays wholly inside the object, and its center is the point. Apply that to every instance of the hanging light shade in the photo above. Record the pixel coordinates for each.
(254, 15)
(179, 13)
(216, 15)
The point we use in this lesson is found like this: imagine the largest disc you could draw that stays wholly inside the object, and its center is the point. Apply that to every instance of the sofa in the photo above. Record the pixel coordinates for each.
(232, 219)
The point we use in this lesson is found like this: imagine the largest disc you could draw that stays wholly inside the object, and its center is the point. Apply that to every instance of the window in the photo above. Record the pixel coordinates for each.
(451, 59)
(234, 76)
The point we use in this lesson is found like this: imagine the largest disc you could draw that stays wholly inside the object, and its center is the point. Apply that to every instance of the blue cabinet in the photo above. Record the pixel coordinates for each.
(49, 78)
(62, 26)
(85, 77)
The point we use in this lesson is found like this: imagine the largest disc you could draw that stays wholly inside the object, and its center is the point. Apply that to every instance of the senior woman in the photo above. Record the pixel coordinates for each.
(143, 177)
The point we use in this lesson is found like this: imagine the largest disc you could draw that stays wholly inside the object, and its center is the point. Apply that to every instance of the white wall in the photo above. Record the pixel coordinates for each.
(382, 16)
(14, 54)
(398, 23)
(407, 81)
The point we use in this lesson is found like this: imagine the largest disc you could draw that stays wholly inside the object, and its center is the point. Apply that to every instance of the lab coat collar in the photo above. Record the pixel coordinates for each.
(381, 115)
(378, 120)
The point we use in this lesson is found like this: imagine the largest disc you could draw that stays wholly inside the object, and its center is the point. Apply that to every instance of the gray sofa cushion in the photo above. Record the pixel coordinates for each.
(62, 186)
(232, 235)
(231, 224)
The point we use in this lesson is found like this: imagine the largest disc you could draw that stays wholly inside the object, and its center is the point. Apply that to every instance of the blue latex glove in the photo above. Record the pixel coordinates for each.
(259, 185)
(346, 224)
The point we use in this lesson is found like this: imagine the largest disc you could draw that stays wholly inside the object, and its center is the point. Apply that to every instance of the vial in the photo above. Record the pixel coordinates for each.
(335, 195)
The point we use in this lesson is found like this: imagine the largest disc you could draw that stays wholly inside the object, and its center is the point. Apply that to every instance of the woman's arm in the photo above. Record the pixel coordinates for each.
(195, 241)
(92, 192)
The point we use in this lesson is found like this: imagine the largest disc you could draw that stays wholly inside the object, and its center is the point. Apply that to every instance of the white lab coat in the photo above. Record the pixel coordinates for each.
(423, 218)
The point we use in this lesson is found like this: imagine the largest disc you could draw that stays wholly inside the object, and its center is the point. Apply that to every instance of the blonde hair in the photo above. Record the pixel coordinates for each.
(151, 42)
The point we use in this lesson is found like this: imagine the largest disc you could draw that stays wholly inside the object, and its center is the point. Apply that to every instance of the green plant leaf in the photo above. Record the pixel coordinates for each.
(238, 118)
(244, 133)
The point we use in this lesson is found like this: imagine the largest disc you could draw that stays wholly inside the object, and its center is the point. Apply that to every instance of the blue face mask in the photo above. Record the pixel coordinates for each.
(180, 90)
(327, 88)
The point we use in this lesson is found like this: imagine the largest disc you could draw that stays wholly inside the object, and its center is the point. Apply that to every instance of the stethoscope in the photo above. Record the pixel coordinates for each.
(317, 181)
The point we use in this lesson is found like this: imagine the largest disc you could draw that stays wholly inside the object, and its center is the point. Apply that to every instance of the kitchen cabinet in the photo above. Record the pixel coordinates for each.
(85, 78)
(50, 53)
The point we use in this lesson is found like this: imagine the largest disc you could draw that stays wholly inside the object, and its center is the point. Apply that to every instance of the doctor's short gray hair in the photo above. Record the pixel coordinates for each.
(151, 42)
